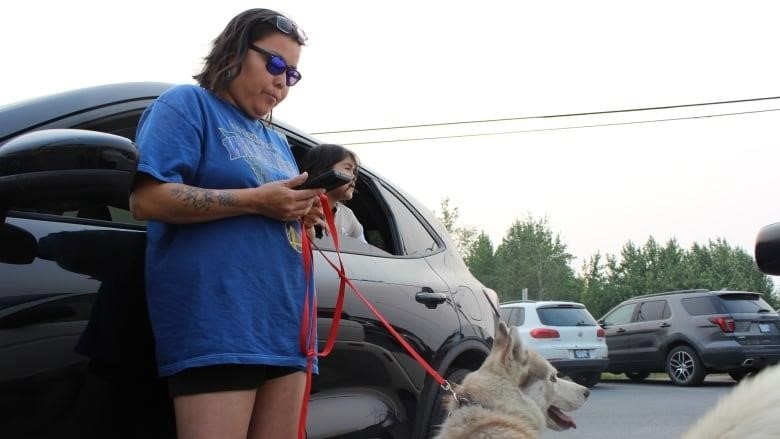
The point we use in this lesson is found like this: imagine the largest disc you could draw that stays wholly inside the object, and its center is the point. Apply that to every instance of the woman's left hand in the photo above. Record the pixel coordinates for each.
(314, 216)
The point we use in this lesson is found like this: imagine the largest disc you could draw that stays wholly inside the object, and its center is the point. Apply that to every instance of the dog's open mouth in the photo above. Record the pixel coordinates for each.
(560, 418)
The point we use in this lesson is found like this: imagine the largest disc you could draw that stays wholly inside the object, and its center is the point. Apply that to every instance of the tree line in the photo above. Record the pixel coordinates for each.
(531, 256)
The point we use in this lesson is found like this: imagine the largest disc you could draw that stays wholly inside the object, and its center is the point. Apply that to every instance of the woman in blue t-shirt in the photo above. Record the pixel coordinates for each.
(224, 274)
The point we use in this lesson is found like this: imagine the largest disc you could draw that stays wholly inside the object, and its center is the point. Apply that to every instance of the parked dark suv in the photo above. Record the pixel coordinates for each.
(71, 257)
(691, 333)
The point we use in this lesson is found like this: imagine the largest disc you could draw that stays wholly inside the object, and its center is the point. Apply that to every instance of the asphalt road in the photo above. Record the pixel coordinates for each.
(651, 409)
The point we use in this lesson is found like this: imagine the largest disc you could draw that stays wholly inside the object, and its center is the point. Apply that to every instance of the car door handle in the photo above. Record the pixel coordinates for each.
(430, 299)
(620, 330)
(665, 325)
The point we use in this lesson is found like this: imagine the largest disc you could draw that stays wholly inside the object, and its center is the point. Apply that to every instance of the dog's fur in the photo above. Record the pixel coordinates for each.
(750, 411)
(513, 395)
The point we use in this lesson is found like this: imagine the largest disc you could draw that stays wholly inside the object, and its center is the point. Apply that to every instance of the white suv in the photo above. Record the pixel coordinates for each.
(562, 332)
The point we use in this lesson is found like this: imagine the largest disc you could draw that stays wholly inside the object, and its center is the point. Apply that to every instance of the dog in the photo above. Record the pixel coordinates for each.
(515, 394)
(750, 411)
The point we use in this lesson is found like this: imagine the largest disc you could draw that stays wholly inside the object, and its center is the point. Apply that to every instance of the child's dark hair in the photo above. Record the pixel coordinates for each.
(322, 158)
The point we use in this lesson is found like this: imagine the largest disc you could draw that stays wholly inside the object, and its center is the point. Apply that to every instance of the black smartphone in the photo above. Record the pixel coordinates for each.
(328, 180)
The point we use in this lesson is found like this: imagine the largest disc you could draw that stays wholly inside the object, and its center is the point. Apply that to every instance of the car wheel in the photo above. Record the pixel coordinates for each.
(439, 413)
(637, 376)
(684, 367)
(588, 380)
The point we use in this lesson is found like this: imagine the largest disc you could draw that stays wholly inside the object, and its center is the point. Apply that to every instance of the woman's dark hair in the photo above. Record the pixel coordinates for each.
(223, 63)
(322, 158)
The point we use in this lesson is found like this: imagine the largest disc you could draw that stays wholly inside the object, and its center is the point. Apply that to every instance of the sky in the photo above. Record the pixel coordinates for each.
(600, 180)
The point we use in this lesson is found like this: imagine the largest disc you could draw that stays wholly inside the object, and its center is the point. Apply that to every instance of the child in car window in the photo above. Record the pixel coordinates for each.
(324, 158)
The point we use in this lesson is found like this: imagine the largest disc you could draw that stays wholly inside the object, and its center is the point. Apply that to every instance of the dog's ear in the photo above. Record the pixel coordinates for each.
(502, 335)
(518, 347)
(513, 352)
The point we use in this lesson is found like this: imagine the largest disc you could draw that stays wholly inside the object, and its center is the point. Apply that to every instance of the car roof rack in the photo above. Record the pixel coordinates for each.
(668, 293)
(518, 301)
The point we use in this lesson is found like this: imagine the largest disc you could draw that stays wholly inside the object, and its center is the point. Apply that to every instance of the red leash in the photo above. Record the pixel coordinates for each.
(308, 336)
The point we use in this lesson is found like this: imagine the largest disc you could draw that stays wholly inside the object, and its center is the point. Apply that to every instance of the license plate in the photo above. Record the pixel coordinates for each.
(581, 353)
(763, 327)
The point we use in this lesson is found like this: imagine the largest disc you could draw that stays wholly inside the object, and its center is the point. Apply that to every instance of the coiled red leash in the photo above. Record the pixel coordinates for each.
(308, 336)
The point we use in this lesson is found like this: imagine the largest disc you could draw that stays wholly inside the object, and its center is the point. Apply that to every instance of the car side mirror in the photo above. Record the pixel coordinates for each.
(57, 167)
(767, 251)
(18, 245)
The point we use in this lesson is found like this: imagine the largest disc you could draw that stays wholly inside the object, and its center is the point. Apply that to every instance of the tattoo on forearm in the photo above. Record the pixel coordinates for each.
(226, 198)
(196, 198)
(203, 199)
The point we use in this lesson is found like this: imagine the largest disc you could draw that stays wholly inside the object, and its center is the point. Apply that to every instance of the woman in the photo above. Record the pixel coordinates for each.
(324, 158)
(224, 274)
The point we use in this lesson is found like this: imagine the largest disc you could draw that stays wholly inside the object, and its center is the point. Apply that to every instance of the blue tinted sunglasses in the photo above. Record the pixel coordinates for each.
(276, 65)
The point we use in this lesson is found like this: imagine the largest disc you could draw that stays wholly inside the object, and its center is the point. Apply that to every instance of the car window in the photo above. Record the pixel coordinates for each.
(744, 303)
(653, 310)
(513, 316)
(565, 316)
(621, 315)
(699, 306)
(416, 240)
(83, 212)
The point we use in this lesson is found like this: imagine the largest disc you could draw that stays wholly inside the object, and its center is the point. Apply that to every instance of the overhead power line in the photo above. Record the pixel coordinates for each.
(549, 116)
(573, 127)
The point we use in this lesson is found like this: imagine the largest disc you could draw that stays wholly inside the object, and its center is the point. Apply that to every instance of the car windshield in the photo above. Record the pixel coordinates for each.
(565, 316)
(745, 303)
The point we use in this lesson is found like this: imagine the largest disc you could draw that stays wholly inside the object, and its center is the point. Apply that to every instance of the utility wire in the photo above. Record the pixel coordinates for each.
(502, 133)
(551, 116)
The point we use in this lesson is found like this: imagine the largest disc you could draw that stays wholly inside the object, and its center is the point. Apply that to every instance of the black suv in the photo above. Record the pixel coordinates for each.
(691, 333)
(71, 263)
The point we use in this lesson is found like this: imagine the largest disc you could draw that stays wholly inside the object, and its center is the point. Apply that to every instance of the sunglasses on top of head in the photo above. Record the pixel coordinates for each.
(288, 27)
(276, 65)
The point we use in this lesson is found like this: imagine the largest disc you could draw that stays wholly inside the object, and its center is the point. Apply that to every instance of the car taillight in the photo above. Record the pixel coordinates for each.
(726, 324)
(544, 333)
(600, 333)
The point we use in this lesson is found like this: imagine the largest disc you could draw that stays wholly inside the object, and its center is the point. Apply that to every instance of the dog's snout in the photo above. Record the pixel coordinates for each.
(586, 393)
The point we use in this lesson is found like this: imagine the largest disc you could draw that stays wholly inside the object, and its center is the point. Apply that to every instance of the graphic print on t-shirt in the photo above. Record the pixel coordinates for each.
(265, 159)
(294, 236)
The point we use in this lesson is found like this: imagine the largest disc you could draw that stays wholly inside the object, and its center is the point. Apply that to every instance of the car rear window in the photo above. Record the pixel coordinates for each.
(744, 303)
(565, 316)
(699, 306)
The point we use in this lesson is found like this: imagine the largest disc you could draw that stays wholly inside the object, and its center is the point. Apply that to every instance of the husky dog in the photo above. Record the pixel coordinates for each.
(750, 411)
(513, 395)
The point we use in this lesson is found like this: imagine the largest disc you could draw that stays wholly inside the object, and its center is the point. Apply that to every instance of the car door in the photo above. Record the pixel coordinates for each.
(650, 327)
(76, 351)
(617, 328)
(398, 281)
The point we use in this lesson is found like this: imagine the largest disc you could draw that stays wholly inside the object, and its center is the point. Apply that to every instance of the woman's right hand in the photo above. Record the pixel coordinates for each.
(178, 203)
(280, 200)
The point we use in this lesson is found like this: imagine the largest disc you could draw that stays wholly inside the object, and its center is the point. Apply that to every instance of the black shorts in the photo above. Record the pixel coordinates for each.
(223, 378)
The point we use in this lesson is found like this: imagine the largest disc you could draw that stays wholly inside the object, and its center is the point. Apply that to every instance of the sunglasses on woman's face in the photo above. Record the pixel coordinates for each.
(276, 65)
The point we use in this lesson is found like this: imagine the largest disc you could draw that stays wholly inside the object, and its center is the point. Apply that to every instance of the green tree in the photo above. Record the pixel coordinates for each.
(596, 291)
(531, 256)
(463, 236)
(481, 261)
(719, 266)
(653, 268)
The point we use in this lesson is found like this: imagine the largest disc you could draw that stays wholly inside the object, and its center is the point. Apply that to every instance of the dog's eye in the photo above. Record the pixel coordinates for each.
(553, 378)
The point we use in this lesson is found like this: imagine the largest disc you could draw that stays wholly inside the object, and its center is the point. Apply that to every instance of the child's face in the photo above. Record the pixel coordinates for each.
(345, 191)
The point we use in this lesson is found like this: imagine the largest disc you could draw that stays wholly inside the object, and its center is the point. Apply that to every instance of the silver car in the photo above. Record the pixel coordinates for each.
(564, 333)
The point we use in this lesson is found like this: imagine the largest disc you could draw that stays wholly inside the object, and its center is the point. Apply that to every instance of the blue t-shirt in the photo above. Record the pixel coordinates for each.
(231, 290)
